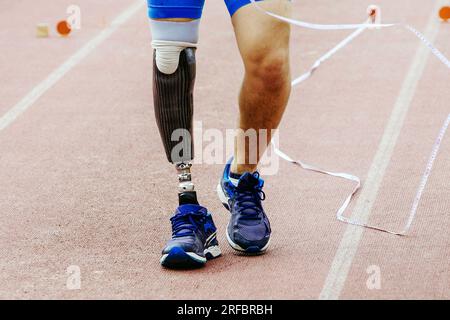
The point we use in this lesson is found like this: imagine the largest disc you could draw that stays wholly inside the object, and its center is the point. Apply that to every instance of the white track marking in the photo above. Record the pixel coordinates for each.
(348, 246)
(427, 173)
(12, 114)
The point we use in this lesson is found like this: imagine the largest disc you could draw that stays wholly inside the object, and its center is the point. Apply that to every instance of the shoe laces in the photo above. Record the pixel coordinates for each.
(187, 223)
(248, 196)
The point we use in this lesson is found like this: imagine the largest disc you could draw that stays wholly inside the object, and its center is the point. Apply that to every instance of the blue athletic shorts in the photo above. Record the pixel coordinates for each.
(191, 9)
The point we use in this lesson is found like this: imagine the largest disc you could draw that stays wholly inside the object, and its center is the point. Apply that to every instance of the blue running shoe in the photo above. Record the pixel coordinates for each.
(193, 240)
(249, 228)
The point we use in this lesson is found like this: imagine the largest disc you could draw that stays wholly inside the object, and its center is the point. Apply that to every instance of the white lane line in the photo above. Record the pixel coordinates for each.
(12, 114)
(348, 246)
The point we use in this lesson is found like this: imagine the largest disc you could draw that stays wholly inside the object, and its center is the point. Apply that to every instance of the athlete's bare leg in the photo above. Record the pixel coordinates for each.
(264, 46)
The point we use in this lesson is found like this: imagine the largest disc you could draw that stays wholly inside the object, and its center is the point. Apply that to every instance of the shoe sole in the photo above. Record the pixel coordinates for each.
(250, 250)
(177, 258)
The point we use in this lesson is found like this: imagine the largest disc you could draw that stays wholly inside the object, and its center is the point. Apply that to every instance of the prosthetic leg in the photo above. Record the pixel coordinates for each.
(194, 235)
(173, 85)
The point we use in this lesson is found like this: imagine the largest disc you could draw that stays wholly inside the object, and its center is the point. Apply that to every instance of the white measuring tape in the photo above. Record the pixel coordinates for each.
(372, 22)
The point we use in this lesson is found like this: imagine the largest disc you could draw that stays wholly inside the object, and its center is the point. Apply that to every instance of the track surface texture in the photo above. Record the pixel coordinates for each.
(84, 181)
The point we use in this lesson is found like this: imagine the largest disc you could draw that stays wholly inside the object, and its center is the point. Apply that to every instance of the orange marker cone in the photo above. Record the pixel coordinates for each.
(444, 13)
(63, 28)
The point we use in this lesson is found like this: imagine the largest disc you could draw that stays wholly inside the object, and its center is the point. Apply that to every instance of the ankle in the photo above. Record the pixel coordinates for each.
(241, 168)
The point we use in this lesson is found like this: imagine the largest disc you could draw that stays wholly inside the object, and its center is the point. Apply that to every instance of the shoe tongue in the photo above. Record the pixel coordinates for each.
(248, 181)
(186, 208)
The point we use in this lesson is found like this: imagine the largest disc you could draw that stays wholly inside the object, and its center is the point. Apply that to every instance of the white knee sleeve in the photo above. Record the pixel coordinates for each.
(169, 39)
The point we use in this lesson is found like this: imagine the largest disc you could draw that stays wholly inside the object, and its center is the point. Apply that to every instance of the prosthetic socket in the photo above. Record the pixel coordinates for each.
(174, 108)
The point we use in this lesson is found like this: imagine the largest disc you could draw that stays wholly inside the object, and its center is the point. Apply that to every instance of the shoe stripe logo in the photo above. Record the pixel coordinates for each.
(210, 238)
